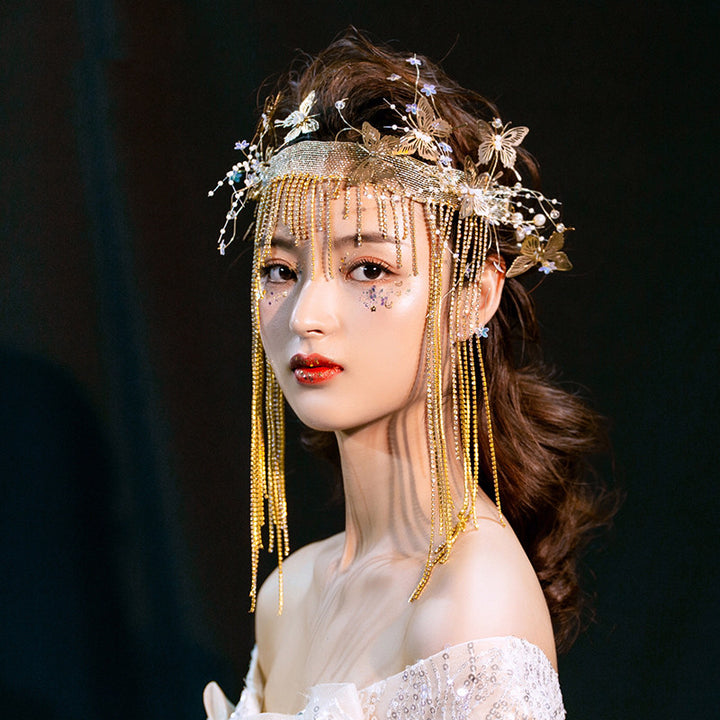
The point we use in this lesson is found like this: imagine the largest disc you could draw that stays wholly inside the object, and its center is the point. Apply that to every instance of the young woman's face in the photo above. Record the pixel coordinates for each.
(346, 349)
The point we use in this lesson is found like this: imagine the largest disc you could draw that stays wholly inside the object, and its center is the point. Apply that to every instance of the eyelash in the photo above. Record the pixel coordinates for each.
(360, 262)
(271, 265)
(278, 265)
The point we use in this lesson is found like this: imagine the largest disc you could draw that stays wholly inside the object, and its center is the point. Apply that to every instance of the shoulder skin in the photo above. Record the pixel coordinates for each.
(488, 588)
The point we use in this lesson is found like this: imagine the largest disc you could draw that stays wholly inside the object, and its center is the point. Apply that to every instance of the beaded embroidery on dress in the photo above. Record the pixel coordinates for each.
(503, 678)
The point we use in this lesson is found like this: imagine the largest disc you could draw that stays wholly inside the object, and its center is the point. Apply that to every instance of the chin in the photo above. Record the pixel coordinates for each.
(327, 419)
(315, 418)
(324, 422)
(321, 425)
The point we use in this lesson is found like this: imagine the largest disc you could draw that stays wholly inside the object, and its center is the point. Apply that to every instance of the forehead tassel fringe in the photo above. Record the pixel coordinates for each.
(302, 202)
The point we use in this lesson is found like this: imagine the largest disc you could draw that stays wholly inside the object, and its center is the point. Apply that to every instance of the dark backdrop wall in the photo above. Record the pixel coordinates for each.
(124, 339)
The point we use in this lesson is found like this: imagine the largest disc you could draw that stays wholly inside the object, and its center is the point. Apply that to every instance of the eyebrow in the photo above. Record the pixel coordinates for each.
(370, 237)
(286, 243)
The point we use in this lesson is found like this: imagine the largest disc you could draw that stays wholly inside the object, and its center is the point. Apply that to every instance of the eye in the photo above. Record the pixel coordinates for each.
(277, 272)
(368, 271)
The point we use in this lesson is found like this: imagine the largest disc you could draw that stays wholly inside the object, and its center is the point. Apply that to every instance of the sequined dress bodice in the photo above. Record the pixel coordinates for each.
(490, 679)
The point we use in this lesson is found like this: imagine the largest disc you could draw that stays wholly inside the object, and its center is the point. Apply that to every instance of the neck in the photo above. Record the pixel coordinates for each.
(386, 480)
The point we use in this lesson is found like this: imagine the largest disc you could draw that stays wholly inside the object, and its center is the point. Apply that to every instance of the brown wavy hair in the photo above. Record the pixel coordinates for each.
(544, 434)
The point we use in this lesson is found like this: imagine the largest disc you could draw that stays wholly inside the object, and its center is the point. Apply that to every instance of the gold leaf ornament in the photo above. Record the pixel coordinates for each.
(377, 166)
(374, 142)
(474, 198)
(549, 255)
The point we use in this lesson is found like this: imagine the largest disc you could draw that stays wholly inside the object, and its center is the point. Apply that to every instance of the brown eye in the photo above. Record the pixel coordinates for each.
(278, 273)
(367, 272)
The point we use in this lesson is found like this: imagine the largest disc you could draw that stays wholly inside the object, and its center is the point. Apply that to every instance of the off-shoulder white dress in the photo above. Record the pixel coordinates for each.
(499, 678)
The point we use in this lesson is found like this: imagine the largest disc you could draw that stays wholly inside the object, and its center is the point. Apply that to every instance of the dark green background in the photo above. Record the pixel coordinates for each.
(124, 339)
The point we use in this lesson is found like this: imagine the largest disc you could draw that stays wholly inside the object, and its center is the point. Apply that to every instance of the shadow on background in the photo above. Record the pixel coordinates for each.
(125, 373)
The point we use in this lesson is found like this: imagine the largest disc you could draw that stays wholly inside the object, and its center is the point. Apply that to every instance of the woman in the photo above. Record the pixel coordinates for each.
(391, 226)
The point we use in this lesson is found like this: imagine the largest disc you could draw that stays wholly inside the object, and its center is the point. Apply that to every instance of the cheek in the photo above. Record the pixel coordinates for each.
(390, 343)
(273, 315)
(388, 321)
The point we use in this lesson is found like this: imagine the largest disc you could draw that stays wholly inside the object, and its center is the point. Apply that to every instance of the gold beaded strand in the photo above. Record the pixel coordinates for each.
(304, 204)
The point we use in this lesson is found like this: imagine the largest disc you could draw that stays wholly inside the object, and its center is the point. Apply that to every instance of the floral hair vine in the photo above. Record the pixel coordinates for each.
(417, 140)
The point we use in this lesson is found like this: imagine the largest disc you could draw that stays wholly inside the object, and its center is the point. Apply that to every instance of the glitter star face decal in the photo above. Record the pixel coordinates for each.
(375, 298)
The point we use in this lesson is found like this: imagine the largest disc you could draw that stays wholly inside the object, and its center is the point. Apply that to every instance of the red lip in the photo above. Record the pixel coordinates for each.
(313, 369)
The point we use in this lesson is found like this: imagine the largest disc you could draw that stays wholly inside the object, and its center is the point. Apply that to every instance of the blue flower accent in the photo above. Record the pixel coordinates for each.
(428, 89)
(482, 332)
(414, 61)
(411, 108)
(444, 160)
(235, 177)
(445, 147)
(241, 145)
(547, 267)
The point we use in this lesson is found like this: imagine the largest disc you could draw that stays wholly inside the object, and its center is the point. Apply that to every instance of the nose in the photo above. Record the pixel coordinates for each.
(315, 309)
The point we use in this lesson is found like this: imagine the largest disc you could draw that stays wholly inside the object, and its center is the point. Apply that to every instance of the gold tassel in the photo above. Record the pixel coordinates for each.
(267, 438)
(297, 200)
(441, 502)
(467, 277)
(491, 437)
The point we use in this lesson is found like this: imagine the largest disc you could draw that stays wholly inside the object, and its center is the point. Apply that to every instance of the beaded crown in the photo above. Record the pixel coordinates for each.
(399, 165)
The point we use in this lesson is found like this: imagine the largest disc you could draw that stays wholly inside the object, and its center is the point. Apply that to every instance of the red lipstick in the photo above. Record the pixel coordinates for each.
(313, 369)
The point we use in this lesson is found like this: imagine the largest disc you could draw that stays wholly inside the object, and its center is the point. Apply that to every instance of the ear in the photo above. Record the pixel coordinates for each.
(478, 301)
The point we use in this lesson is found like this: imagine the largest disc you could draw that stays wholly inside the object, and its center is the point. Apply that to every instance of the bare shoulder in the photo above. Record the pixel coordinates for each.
(298, 572)
(487, 589)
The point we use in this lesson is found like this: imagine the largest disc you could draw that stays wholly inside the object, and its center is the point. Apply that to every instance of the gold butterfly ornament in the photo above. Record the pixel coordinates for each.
(548, 254)
(425, 131)
(498, 141)
(300, 120)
